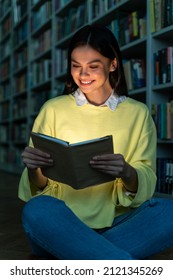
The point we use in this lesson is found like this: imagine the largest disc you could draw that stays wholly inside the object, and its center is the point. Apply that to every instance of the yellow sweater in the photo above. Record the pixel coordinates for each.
(134, 136)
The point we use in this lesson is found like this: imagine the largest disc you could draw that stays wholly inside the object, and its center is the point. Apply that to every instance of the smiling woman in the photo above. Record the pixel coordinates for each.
(118, 219)
(90, 71)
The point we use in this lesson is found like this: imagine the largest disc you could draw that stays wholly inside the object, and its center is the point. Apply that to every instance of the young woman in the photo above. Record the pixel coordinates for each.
(114, 220)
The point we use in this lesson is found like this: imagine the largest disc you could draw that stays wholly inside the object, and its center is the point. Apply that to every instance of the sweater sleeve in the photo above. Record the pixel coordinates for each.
(26, 189)
(144, 161)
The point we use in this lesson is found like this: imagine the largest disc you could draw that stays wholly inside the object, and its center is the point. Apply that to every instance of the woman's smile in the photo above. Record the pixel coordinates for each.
(86, 83)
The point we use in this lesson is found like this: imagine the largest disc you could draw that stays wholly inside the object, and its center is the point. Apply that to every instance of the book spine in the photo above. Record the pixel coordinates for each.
(152, 16)
(128, 74)
(164, 176)
(163, 124)
(170, 120)
(157, 13)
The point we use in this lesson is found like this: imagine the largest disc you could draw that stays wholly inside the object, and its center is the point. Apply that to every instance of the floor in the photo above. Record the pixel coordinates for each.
(13, 243)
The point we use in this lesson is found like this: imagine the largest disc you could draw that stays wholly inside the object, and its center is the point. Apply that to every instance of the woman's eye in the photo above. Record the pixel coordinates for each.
(93, 66)
(75, 65)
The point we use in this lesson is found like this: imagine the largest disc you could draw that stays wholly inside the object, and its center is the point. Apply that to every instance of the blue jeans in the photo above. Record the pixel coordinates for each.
(55, 232)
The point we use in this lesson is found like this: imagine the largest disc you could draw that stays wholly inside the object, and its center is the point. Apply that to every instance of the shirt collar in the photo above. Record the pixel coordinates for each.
(112, 102)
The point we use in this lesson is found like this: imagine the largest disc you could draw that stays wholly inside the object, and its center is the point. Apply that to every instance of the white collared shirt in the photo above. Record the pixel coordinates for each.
(112, 102)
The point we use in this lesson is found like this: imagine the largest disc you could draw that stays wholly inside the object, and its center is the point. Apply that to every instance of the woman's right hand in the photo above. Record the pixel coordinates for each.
(34, 158)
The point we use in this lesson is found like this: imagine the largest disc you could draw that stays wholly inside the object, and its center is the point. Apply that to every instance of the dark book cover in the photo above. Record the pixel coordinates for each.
(71, 161)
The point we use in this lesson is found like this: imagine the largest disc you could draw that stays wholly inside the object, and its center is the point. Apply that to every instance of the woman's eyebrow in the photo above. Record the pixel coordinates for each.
(89, 62)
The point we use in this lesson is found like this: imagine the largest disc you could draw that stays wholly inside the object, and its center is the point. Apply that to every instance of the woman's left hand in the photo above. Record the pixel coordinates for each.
(116, 166)
(113, 164)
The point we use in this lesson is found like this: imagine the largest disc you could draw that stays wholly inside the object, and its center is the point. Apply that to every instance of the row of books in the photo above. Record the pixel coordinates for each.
(42, 43)
(38, 99)
(4, 111)
(98, 8)
(60, 3)
(11, 156)
(20, 34)
(163, 65)
(19, 132)
(126, 32)
(41, 72)
(20, 83)
(19, 108)
(163, 117)
(131, 27)
(5, 27)
(60, 61)
(5, 69)
(3, 155)
(135, 73)
(161, 14)
(164, 176)
(77, 16)
(4, 7)
(20, 59)
(20, 105)
(4, 135)
(112, 3)
(5, 91)
(19, 10)
(5, 49)
(34, 2)
(40, 16)
(21, 7)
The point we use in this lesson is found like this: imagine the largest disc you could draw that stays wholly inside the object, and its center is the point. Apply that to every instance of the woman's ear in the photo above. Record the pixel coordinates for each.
(113, 65)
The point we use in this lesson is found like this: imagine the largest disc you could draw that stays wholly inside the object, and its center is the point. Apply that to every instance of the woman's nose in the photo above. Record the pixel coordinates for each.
(84, 72)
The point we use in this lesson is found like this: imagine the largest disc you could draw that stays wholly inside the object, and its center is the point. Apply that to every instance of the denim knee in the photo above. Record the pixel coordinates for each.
(37, 208)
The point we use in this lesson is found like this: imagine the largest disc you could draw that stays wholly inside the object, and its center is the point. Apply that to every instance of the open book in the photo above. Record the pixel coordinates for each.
(71, 161)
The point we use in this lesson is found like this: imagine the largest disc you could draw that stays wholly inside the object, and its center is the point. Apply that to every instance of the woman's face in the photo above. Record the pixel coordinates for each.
(90, 70)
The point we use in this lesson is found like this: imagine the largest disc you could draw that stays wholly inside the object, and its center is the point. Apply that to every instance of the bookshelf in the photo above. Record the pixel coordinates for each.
(34, 37)
(161, 85)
